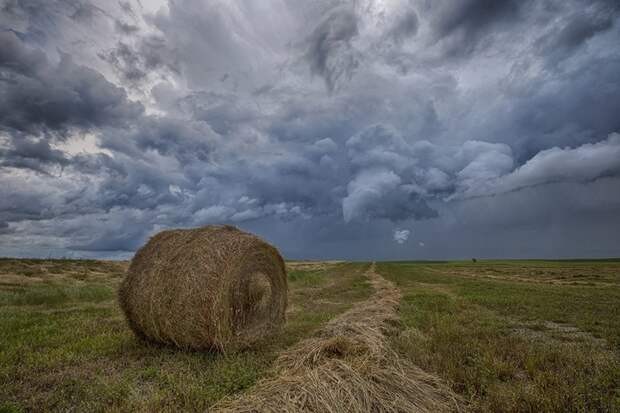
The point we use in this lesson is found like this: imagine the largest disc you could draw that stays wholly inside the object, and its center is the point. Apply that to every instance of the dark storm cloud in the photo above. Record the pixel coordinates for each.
(42, 18)
(126, 61)
(586, 163)
(405, 26)
(127, 7)
(20, 203)
(472, 16)
(121, 234)
(327, 127)
(467, 25)
(464, 24)
(580, 29)
(32, 9)
(224, 112)
(126, 28)
(395, 179)
(330, 53)
(37, 96)
(5, 228)
(18, 59)
(381, 193)
(33, 155)
(576, 28)
(584, 102)
(134, 63)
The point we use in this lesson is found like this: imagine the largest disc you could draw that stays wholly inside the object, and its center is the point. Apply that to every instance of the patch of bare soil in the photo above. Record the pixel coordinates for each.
(349, 366)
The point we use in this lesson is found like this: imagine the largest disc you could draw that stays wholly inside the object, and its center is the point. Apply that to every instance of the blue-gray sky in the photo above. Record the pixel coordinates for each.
(365, 129)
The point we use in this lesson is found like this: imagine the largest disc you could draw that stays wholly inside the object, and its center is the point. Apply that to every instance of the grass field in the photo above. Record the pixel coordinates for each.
(509, 336)
(64, 345)
(516, 336)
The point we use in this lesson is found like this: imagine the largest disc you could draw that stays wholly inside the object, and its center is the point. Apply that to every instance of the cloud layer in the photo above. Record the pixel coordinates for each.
(490, 127)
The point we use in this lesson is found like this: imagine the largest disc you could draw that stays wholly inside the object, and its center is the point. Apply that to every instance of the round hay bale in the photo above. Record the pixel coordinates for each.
(214, 287)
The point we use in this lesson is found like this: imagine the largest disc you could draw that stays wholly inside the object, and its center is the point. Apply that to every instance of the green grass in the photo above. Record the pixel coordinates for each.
(51, 296)
(64, 345)
(509, 336)
(515, 336)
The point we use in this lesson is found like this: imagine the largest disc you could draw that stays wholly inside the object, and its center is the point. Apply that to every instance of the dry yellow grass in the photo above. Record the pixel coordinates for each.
(214, 287)
(20, 272)
(349, 367)
(311, 265)
(602, 274)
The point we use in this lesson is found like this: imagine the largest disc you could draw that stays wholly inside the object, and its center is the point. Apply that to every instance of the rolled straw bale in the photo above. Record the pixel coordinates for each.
(214, 287)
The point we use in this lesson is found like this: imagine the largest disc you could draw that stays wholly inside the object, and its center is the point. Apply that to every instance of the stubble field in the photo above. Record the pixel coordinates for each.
(505, 336)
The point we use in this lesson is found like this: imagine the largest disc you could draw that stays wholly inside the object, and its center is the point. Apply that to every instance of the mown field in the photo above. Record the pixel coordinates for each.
(515, 336)
(64, 345)
(509, 336)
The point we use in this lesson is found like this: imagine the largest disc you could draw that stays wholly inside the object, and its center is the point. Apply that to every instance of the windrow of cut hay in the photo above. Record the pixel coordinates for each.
(349, 366)
(214, 287)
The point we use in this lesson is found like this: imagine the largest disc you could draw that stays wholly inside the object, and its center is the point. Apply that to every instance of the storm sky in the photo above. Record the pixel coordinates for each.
(366, 129)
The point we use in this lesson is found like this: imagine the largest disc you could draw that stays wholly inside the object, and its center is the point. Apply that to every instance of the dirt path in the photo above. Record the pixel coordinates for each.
(348, 366)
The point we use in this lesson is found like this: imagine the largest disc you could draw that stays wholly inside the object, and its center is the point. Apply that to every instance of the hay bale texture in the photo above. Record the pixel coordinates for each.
(214, 287)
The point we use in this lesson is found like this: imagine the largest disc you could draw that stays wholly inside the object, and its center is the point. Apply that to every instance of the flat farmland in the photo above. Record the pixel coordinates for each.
(504, 336)
(64, 345)
(515, 336)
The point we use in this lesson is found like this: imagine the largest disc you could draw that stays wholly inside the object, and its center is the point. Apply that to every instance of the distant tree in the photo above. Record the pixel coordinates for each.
(474, 260)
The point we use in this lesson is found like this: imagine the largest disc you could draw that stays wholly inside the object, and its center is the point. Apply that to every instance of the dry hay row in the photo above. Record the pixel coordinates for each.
(349, 367)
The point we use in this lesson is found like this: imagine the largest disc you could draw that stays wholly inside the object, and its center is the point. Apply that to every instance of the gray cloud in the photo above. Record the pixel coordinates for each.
(34, 155)
(576, 29)
(330, 52)
(37, 96)
(381, 193)
(583, 164)
(464, 25)
(326, 127)
(405, 26)
(134, 64)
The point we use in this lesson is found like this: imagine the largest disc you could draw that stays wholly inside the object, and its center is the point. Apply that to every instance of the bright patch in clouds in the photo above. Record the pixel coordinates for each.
(401, 235)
